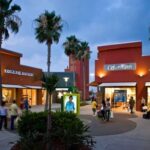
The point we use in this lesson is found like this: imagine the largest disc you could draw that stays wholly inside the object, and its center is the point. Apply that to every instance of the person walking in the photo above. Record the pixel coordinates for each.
(103, 109)
(26, 104)
(143, 103)
(94, 105)
(3, 116)
(108, 107)
(131, 103)
(13, 114)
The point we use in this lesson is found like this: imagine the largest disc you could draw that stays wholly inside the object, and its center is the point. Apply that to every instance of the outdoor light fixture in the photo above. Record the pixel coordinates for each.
(101, 75)
(66, 79)
(141, 74)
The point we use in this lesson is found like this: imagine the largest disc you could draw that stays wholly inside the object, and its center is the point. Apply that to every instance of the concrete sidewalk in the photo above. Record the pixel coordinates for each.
(7, 139)
(136, 139)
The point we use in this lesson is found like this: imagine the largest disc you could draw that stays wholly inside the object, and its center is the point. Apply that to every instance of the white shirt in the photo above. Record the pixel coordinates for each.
(14, 110)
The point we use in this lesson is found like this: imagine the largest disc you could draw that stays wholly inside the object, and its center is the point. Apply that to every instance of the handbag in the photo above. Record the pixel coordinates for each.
(111, 114)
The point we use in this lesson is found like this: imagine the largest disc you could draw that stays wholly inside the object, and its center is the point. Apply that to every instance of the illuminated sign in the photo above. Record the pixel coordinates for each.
(115, 67)
(20, 73)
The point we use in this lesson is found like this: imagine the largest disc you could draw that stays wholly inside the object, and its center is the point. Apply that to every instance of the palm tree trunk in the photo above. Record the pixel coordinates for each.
(1, 99)
(48, 99)
(74, 69)
(48, 71)
(49, 57)
(84, 87)
(49, 123)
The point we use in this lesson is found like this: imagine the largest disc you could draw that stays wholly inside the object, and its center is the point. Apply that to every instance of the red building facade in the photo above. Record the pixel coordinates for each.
(81, 70)
(121, 69)
(19, 81)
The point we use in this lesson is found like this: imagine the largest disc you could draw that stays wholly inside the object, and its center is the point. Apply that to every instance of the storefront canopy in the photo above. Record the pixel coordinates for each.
(147, 83)
(33, 87)
(20, 86)
(118, 84)
(93, 83)
(11, 86)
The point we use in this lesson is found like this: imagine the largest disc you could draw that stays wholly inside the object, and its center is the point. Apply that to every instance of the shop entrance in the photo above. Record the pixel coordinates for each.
(30, 94)
(120, 96)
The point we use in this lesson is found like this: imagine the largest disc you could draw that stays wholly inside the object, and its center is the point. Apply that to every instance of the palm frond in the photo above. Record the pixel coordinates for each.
(49, 82)
(48, 27)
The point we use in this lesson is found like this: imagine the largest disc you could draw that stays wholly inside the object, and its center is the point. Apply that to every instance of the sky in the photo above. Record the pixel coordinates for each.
(99, 22)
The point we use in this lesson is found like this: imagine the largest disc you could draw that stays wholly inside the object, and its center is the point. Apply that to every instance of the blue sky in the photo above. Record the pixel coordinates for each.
(98, 22)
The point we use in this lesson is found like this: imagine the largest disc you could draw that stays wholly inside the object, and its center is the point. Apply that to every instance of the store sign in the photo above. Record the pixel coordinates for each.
(115, 67)
(20, 73)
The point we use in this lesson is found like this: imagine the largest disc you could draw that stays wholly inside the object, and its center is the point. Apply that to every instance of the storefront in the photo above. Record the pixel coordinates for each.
(122, 72)
(19, 81)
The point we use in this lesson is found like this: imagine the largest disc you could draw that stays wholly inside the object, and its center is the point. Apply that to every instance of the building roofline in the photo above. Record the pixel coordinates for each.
(9, 52)
(120, 45)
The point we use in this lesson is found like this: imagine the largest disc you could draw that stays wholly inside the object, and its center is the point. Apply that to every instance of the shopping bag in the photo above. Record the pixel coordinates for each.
(111, 114)
(16, 121)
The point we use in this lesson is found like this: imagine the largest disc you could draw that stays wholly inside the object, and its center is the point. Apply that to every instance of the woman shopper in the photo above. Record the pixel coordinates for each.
(108, 107)
(13, 113)
(3, 116)
(103, 109)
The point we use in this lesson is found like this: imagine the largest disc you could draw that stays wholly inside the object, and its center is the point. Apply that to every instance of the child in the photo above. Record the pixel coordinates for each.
(94, 105)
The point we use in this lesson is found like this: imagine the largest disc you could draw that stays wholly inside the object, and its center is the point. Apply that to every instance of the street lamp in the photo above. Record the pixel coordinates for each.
(66, 80)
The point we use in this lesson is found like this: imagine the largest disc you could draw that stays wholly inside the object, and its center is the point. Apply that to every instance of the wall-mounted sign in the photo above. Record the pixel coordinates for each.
(115, 67)
(20, 73)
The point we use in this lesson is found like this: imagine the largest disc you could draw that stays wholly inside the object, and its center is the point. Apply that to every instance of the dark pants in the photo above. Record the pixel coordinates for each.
(131, 108)
(103, 112)
(107, 115)
(12, 122)
(3, 120)
(94, 111)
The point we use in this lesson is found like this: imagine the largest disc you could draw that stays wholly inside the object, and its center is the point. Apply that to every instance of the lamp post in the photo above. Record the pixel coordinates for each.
(66, 80)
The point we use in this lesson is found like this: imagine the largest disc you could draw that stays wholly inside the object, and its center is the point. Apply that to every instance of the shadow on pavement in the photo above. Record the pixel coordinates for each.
(119, 124)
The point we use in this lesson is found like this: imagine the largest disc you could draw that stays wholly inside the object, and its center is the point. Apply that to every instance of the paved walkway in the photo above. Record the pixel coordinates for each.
(124, 132)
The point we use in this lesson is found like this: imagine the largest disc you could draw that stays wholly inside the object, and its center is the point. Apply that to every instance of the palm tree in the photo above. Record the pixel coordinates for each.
(47, 30)
(49, 83)
(8, 21)
(83, 55)
(71, 46)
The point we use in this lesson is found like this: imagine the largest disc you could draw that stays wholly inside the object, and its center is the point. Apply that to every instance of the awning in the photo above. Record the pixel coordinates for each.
(147, 83)
(12, 86)
(93, 83)
(32, 87)
(20, 86)
(118, 84)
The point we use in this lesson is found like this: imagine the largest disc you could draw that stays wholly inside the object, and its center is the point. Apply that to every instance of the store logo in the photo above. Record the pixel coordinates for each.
(20, 73)
(115, 67)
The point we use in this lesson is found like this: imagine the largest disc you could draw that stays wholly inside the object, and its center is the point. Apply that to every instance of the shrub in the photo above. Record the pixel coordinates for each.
(67, 133)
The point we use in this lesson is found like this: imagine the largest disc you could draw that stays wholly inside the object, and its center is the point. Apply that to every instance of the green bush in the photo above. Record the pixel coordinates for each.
(67, 133)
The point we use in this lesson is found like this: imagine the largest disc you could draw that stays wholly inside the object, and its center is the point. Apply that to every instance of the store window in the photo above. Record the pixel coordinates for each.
(30, 94)
(9, 94)
(148, 96)
(43, 96)
(120, 96)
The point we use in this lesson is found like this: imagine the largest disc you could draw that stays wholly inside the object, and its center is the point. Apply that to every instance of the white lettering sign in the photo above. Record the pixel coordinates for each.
(115, 67)
(20, 73)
